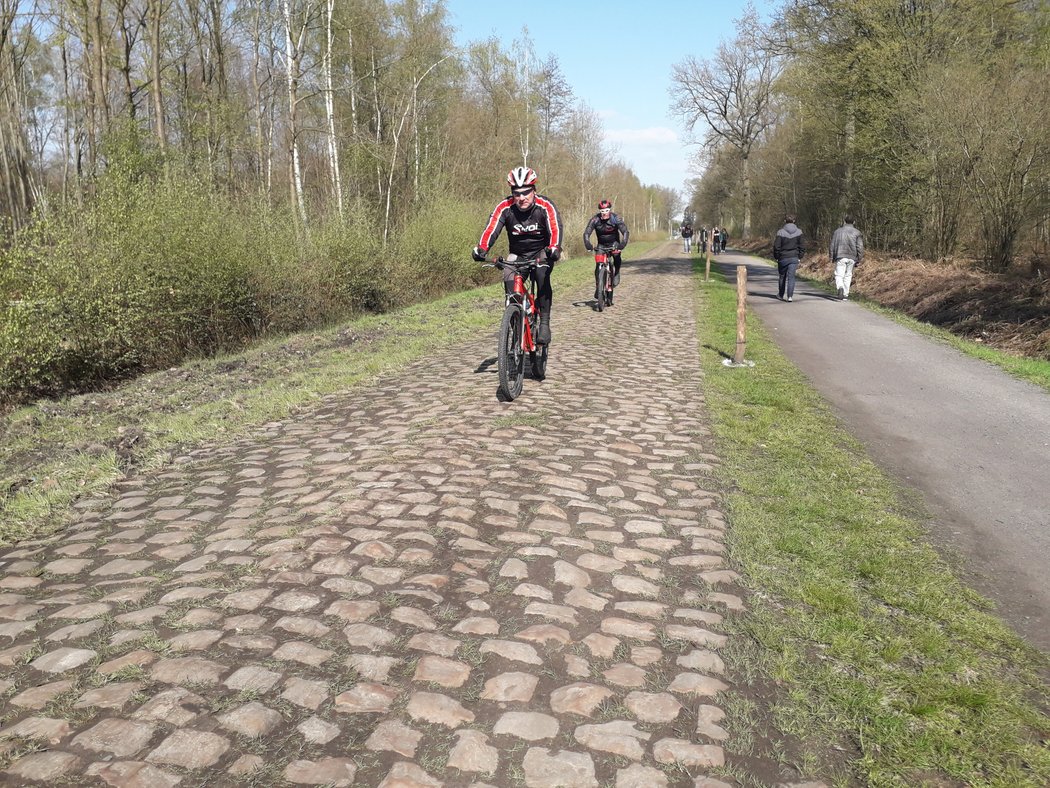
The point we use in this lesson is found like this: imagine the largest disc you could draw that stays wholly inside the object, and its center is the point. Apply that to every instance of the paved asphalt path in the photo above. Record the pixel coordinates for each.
(973, 440)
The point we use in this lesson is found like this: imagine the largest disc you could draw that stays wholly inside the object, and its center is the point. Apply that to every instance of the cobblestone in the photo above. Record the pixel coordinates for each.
(465, 591)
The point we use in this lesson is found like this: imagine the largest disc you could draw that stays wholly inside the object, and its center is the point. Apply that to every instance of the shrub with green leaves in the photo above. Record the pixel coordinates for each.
(159, 266)
(430, 255)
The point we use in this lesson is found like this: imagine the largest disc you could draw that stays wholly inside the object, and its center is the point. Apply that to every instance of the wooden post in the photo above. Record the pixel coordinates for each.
(707, 268)
(741, 313)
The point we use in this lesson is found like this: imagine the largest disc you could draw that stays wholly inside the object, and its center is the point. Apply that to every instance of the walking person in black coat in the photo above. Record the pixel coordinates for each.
(789, 247)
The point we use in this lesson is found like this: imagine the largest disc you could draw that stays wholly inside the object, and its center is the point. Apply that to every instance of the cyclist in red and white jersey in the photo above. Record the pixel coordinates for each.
(533, 227)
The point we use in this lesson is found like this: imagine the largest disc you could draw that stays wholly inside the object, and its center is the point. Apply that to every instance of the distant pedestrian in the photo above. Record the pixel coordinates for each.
(714, 239)
(687, 237)
(723, 238)
(846, 252)
(789, 247)
(703, 239)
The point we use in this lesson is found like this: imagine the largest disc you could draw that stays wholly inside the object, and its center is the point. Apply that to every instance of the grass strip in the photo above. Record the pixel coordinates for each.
(877, 647)
(56, 452)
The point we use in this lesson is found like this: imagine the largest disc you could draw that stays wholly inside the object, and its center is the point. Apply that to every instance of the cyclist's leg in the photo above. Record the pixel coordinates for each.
(617, 262)
(544, 296)
(508, 281)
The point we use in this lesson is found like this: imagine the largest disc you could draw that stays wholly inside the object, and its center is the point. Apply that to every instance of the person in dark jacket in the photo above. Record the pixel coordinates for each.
(846, 252)
(687, 238)
(533, 229)
(723, 238)
(789, 247)
(612, 235)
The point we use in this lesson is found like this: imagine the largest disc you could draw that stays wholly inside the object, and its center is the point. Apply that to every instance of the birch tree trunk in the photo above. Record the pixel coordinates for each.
(156, 11)
(292, 59)
(66, 123)
(91, 90)
(378, 122)
(523, 130)
(14, 156)
(260, 167)
(747, 195)
(329, 106)
(353, 83)
(409, 108)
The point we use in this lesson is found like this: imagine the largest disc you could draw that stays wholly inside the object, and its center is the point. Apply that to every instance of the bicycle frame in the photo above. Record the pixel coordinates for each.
(523, 297)
(606, 259)
(517, 338)
(604, 273)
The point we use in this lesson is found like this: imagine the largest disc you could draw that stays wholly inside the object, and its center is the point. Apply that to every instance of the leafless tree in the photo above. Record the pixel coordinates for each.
(731, 94)
(554, 100)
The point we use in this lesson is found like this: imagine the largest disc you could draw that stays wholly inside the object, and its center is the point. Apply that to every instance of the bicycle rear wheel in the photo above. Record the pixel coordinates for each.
(509, 356)
(602, 274)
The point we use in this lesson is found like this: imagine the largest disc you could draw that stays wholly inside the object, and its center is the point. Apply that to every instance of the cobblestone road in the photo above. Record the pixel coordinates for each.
(414, 585)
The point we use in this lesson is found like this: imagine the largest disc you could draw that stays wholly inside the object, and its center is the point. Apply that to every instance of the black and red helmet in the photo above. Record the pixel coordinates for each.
(605, 205)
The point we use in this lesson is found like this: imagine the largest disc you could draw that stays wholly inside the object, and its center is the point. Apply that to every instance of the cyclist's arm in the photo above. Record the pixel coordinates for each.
(588, 231)
(553, 222)
(494, 226)
(625, 234)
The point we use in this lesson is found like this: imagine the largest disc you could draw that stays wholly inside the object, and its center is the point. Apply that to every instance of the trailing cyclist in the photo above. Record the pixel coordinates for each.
(533, 226)
(612, 235)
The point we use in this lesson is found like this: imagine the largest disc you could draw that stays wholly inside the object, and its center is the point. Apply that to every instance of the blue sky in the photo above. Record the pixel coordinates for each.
(640, 42)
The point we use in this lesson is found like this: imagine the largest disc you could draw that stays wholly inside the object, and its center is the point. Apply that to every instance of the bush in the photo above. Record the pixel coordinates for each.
(149, 273)
(160, 267)
(431, 255)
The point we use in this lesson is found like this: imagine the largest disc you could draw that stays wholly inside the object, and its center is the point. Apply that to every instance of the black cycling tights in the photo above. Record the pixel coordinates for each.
(544, 294)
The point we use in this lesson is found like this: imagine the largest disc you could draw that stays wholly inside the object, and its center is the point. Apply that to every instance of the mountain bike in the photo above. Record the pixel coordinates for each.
(606, 285)
(518, 329)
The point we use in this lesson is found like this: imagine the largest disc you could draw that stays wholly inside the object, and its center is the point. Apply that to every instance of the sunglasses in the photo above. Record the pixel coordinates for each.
(605, 210)
(522, 192)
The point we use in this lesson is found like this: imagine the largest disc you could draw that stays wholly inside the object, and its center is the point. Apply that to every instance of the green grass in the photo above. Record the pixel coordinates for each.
(54, 453)
(877, 647)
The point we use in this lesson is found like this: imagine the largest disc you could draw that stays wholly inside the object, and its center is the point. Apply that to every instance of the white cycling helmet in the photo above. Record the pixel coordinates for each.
(520, 177)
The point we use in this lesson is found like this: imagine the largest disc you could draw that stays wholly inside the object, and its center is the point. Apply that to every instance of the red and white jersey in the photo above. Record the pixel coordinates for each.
(528, 232)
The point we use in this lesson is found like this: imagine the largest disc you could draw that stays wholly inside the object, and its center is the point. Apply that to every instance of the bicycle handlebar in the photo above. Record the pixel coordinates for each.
(500, 263)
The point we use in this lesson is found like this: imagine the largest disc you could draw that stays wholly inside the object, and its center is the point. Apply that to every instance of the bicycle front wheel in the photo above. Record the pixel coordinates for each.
(602, 274)
(510, 356)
